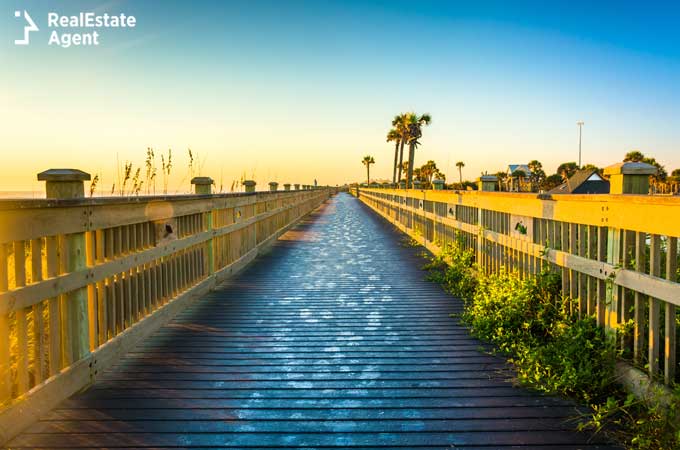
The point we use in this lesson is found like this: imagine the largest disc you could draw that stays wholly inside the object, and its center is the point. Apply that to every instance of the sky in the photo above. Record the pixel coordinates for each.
(294, 91)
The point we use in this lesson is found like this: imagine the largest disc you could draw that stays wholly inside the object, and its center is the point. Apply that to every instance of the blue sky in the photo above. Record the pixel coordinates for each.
(300, 90)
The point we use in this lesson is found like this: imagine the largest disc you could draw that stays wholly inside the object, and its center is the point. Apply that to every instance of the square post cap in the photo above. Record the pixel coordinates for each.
(249, 183)
(67, 175)
(202, 180)
(273, 183)
(438, 184)
(631, 168)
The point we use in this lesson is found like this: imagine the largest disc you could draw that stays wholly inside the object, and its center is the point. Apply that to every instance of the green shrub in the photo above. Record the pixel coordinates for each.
(455, 270)
(552, 349)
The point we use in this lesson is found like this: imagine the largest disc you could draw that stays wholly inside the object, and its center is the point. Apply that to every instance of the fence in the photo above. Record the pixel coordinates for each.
(83, 280)
(618, 254)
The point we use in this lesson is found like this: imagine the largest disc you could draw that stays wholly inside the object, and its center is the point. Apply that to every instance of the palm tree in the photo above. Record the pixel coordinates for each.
(501, 177)
(401, 127)
(415, 131)
(567, 170)
(634, 156)
(518, 175)
(394, 136)
(367, 161)
(460, 165)
(536, 174)
(427, 172)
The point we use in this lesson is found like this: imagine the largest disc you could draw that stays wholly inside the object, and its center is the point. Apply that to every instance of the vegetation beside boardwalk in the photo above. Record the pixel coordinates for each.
(552, 349)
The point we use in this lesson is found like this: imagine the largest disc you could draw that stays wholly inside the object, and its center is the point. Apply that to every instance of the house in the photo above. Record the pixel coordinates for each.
(583, 182)
(517, 183)
(514, 167)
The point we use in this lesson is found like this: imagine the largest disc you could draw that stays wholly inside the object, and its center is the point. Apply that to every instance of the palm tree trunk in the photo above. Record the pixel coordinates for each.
(396, 158)
(368, 175)
(411, 155)
(401, 159)
(460, 175)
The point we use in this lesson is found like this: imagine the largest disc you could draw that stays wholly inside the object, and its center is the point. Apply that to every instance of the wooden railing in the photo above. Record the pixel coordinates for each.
(618, 254)
(83, 280)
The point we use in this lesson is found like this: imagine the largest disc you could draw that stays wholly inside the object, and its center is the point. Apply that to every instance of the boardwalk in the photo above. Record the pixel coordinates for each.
(332, 340)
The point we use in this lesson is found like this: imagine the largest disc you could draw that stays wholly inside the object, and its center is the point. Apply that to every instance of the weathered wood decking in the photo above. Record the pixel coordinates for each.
(334, 339)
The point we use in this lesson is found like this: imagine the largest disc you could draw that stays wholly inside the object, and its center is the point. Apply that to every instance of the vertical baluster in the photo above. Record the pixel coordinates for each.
(91, 292)
(101, 289)
(39, 336)
(111, 284)
(670, 326)
(582, 278)
(654, 306)
(573, 275)
(626, 294)
(640, 301)
(127, 280)
(53, 307)
(592, 281)
(564, 246)
(21, 318)
(601, 284)
(5, 373)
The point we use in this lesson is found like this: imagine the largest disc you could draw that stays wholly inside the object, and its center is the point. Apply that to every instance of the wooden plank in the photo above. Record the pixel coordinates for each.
(601, 284)
(5, 366)
(21, 321)
(90, 257)
(40, 358)
(670, 362)
(582, 278)
(573, 274)
(127, 281)
(654, 307)
(614, 241)
(101, 313)
(639, 327)
(626, 295)
(53, 307)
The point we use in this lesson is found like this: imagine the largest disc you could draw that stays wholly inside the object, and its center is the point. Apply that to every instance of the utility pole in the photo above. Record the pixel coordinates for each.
(580, 124)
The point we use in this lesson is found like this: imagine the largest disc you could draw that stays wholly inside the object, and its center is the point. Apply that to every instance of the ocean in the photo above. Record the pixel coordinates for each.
(21, 194)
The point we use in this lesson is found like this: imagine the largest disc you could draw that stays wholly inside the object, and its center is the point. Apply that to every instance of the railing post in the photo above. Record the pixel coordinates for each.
(630, 177)
(624, 178)
(286, 187)
(68, 184)
(249, 185)
(203, 186)
(273, 186)
(297, 186)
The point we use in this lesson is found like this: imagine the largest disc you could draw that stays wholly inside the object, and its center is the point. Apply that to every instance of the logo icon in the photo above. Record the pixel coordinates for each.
(27, 29)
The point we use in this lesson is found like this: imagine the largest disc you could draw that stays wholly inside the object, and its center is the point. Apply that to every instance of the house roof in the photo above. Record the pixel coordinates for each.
(583, 182)
(523, 167)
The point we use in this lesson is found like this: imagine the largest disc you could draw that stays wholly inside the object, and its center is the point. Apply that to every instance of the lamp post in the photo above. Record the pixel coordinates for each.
(580, 124)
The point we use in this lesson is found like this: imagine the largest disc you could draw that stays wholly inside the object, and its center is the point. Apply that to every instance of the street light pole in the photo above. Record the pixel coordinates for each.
(580, 127)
